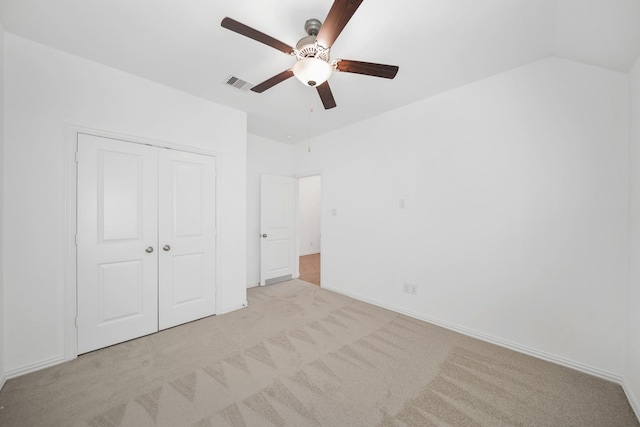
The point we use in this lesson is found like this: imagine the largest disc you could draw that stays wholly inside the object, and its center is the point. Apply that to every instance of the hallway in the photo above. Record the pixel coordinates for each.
(310, 268)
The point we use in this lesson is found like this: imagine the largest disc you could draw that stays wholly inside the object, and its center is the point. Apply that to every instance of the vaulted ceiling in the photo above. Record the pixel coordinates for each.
(438, 44)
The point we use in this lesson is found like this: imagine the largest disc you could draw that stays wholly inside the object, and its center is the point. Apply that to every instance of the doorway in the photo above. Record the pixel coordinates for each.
(309, 231)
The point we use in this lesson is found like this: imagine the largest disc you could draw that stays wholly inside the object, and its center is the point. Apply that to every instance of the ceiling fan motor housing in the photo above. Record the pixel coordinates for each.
(307, 48)
(312, 67)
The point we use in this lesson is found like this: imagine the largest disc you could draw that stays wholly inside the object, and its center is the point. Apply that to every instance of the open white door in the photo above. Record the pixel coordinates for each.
(186, 237)
(278, 229)
(117, 235)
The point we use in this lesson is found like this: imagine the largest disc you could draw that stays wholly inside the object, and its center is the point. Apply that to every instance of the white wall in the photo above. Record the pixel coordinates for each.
(515, 225)
(46, 91)
(632, 370)
(2, 300)
(264, 156)
(309, 198)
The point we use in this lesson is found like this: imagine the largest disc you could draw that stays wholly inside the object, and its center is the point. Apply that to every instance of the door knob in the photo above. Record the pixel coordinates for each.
(166, 248)
(149, 249)
(264, 236)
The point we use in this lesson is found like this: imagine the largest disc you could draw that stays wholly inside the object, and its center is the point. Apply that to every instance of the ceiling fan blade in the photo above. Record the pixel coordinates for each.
(340, 13)
(326, 96)
(278, 78)
(367, 68)
(233, 25)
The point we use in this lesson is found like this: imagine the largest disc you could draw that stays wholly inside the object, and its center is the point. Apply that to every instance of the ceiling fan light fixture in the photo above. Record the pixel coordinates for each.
(312, 71)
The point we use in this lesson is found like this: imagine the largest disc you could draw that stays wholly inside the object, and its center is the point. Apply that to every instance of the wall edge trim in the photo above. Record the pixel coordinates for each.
(633, 400)
(33, 367)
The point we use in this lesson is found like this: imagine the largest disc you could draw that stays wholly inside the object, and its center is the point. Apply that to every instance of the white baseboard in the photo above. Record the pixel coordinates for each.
(229, 309)
(633, 399)
(254, 285)
(308, 253)
(487, 338)
(27, 369)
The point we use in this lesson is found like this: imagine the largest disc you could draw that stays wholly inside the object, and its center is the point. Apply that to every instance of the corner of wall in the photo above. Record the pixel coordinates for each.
(2, 322)
(631, 396)
(631, 376)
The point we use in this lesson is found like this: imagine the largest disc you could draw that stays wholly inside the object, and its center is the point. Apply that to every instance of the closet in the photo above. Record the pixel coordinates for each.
(146, 233)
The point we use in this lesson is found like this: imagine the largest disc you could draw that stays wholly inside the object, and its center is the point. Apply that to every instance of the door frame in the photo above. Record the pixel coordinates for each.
(71, 205)
(322, 209)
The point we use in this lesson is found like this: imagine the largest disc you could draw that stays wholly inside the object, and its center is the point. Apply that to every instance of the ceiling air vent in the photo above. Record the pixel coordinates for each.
(238, 83)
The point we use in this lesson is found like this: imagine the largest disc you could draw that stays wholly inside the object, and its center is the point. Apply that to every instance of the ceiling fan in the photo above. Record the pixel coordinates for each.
(313, 66)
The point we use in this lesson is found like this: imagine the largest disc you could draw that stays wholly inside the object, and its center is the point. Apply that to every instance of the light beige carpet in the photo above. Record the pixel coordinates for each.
(310, 268)
(302, 356)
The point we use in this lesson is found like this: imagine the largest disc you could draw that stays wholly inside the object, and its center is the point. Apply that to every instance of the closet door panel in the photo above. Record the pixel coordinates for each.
(117, 241)
(187, 227)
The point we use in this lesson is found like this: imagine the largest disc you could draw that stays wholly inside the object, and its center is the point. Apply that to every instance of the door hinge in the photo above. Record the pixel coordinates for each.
(76, 240)
(77, 157)
(76, 321)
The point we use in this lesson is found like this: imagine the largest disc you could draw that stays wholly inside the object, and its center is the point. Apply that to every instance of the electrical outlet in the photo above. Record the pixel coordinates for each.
(408, 288)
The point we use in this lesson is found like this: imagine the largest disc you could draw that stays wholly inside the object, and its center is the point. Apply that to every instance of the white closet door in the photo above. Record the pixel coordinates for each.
(117, 239)
(187, 237)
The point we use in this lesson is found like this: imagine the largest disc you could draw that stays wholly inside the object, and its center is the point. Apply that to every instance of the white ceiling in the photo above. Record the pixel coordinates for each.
(438, 44)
